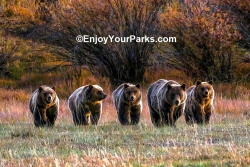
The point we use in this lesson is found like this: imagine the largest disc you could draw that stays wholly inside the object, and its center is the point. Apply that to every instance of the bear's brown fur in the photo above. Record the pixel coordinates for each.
(85, 104)
(166, 101)
(44, 105)
(128, 102)
(199, 103)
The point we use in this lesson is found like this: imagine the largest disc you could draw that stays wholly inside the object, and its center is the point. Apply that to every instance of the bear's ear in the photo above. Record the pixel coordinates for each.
(169, 86)
(90, 87)
(40, 89)
(126, 85)
(183, 86)
(53, 87)
(198, 83)
(138, 86)
(210, 82)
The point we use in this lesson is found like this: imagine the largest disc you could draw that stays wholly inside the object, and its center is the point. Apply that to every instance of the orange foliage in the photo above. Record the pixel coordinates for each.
(21, 11)
(205, 46)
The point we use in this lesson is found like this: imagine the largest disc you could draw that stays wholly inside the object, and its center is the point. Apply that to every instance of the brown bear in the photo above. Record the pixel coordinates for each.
(85, 104)
(166, 102)
(199, 103)
(44, 105)
(128, 103)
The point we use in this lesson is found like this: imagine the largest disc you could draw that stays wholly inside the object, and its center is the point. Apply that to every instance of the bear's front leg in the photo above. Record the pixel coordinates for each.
(84, 115)
(123, 114)
(135, 114)
(168, 116)
(96, 111)
(189, 118)
(156, 118)
(171, 121)
(178, 112)
(40, 118)
(84, 119)
(167, 113)
(199, 114)
(189, 114)
(164, 117)
(51, 114)
(208, 112)
(95, 117)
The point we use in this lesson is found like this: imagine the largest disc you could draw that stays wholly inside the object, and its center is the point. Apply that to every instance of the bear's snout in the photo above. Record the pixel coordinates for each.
(205, 94)
(103, 96)
(49, 99)
(132, 98)
(177, 102)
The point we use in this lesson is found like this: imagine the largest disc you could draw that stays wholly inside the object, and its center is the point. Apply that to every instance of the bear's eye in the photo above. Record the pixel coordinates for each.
(202, 89)
(99, 92)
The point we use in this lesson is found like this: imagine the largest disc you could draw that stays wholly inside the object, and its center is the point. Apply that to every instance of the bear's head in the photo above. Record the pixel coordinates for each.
(204, 90)
(176, 94)
(95, 93)
(132, 92)
(47, 94)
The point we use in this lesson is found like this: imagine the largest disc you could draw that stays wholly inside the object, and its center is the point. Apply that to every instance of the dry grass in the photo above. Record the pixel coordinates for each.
(224, 142)
(16, 95)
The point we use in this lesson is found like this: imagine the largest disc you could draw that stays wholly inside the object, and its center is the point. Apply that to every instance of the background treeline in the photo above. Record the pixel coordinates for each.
(38, 46)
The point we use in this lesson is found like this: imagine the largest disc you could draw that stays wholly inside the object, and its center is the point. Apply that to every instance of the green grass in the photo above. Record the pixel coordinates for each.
(222, 143)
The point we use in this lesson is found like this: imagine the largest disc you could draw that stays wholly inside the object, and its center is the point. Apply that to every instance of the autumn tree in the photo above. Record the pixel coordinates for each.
(8, 48)
(118, 61)
(206, 45)
(240, 10)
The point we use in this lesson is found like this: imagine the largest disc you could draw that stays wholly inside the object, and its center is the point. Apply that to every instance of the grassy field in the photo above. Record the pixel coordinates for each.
(224, 142)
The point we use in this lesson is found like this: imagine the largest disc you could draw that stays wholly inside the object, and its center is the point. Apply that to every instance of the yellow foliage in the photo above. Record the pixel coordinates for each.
(20, 11)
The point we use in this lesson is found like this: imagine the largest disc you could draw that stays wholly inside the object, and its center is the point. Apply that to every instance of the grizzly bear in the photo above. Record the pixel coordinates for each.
(166, 102)
(44, 105)
(128, 103)
(199, 103)
(85, 104)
